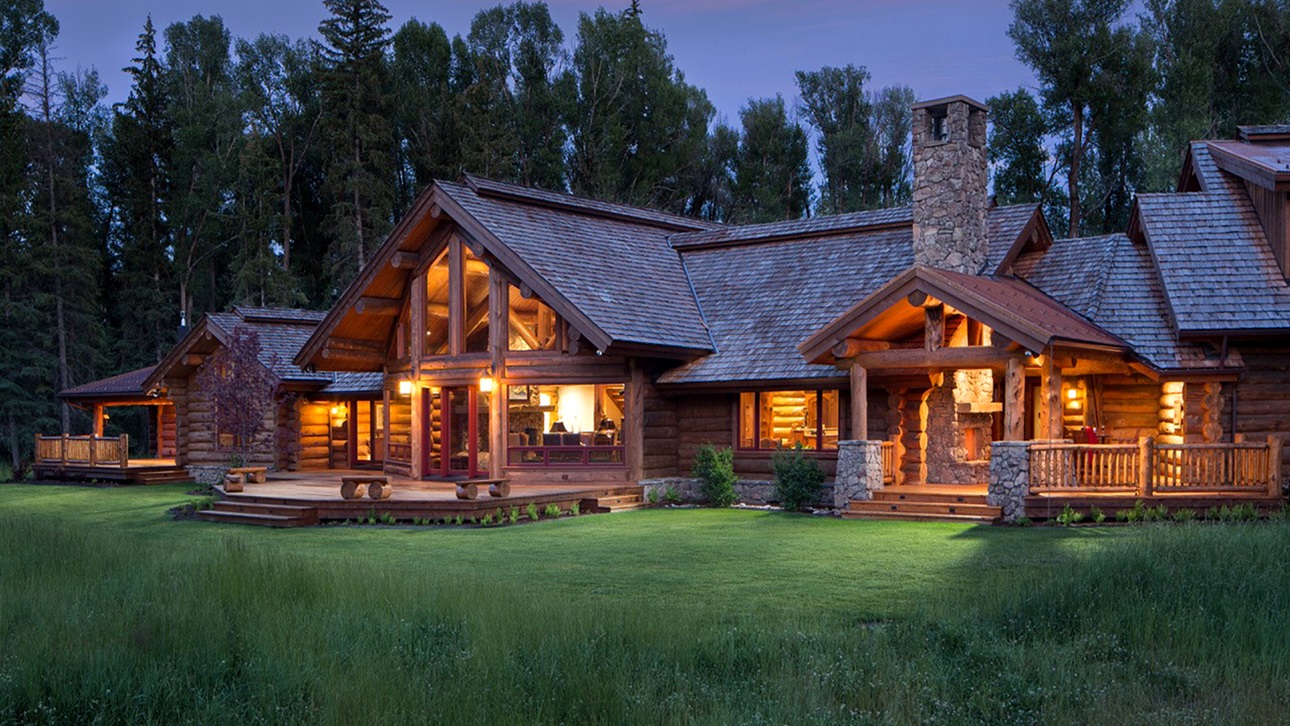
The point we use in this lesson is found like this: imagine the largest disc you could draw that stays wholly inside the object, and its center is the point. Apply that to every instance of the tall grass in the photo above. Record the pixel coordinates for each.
(1176, 623)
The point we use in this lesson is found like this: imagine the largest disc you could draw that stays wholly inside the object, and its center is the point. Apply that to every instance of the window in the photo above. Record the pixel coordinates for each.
(784, 419)
(475, 290)
(437, 306)
(565, 425)
(940, 128)
(533, 325)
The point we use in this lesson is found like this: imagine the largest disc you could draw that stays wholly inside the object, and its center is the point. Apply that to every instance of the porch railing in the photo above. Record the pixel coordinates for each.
(565, 456)
(1216, 467)
(399, 452)
(66, 450)
(1147, 467)
(888, 462)
(1093, 467)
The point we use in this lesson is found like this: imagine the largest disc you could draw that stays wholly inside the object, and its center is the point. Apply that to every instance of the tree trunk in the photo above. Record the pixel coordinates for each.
(64, 374)
(1072, 175)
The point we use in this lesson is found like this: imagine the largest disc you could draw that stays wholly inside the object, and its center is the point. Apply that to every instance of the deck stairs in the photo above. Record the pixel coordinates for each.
(925, 504)
(263, 515)
(622, 502)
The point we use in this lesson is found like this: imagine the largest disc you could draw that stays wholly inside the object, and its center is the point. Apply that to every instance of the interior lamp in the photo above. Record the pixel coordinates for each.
(1072, 394)
(405, 388)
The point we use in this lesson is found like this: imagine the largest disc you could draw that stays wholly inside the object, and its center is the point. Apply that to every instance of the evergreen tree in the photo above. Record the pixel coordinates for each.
(24, 389)
(424, 101)
(772, 178)
(357, 132)
(206, 128)
(137, 177)
(1018, 132)
(637, 129)
(710, 182)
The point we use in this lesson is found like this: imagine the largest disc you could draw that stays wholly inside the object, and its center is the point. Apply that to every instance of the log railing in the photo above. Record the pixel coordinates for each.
(1239, 467)
(68, 450)
(1090, 467)
(1147, 467)
(888, 462)
(399, 452)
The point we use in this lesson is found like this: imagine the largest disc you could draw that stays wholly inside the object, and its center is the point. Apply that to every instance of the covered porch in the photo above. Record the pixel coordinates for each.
(977, 367)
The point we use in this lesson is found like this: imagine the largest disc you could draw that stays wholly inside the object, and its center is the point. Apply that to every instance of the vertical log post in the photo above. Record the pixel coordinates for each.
(634, 421)
(97, 415)
(1014, 401)
(125, 451)
(1275, 446)
(1051, 388)
(933, 326)
(498, 341)
(859, 403)
(1146, 467)
(63, 449)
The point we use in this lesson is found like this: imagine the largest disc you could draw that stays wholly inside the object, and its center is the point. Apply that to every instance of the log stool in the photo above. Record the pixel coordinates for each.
(234, 482)
(251, 474)
(467, 490)
(357, 487)
(380, 490)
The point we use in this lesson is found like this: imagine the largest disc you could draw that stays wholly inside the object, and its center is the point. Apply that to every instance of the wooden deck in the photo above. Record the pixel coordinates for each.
(318, 492)
(138, 471)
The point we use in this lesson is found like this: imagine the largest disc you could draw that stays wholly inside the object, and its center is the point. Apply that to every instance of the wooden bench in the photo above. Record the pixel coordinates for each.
(469, 489)
(251, 474)
(356, 487)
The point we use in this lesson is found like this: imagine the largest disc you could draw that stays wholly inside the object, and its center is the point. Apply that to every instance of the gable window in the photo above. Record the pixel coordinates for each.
(475, 289)
(770, 420)
(533, 324)
(437, 334)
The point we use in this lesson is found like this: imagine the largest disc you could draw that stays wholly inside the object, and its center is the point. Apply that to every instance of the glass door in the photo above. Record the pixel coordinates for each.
(457, 422)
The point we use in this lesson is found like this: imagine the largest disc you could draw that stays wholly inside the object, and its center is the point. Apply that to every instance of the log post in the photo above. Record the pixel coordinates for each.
(634, 422)
(859, 403)
(1275, 446)
(498, 341)
(125, 451)
(933, 326)
(1146, 451)
(98, 420)
(1014, 401)
(94, 443)
(63, 453)
(1051, 395)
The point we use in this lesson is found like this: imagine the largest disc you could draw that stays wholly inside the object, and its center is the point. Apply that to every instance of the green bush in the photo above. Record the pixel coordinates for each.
(1097, 515)
(798, 480)
(551, 511)
(513, 515)
(652, 497)
(532, 511)
(715, 469)
(672, 495)
(1070, 516)
(1184, 515)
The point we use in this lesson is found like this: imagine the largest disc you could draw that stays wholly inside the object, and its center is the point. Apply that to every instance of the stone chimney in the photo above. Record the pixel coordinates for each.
(950, 184)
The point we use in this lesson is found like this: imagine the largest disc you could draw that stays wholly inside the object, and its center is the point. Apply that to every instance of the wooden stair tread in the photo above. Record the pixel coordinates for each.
(264, 520)
(924, 508)
(919, 517)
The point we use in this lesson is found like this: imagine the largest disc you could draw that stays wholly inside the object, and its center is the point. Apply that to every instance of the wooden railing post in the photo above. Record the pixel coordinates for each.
(63, 450)
(125, 451)
(1146, 465)
(1275, 445)
(94, 441)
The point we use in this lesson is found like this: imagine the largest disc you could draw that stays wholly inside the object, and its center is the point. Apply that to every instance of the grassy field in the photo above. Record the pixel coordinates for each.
(112, 613)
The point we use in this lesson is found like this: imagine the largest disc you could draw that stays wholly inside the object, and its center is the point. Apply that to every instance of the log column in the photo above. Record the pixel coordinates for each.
(1014, 401)
(933, 327)
(1051, 394)
(634, 422)
(498, 341)
(98, 419)
(859, 403)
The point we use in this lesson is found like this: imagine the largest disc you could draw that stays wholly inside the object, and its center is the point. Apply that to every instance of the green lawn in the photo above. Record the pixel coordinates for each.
(110, 612)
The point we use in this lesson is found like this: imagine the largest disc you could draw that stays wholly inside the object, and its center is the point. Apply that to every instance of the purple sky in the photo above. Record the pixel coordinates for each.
(734, 49)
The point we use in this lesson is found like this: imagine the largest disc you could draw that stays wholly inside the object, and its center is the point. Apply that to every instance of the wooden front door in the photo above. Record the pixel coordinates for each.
(457, 421)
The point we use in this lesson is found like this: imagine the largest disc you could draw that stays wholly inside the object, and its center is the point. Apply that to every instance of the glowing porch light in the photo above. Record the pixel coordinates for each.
(1072, 394)
(405, 388)
(485, 384)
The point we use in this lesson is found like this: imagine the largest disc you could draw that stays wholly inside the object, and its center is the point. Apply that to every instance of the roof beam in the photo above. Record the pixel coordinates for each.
(405, 260)
(852, 347)
(355, 344)
(385, 306)
(973, 357)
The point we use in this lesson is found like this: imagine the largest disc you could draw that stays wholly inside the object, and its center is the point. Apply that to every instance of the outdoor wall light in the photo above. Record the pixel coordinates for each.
(405, 388)
(485, 384)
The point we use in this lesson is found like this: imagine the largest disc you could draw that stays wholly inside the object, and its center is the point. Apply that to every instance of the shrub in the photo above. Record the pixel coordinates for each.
(1097, 515)
(1138, 513)
(532, 511)
(574, 509)
(672, 495)
(652, 497)
(1184, 515)
(798, 480)
(514, 515)
(459, 520)
(1158, 513)
(715, 469)
(1069, 516)
(487, 520)
(388, 518)
(552, 511)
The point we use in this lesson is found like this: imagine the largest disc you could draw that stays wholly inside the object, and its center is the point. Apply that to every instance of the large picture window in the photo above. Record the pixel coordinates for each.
(437, 306)
(565, 425)
(475, 291)
(772, 420)
(533, 324)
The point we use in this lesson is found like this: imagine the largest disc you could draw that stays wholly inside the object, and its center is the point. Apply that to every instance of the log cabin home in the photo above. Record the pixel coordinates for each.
(951, 350)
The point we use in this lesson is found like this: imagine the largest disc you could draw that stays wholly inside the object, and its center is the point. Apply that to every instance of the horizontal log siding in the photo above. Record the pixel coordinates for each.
(195, 423)
(662, 421)
(315, 450)
(1130, 407)
(1263, 397)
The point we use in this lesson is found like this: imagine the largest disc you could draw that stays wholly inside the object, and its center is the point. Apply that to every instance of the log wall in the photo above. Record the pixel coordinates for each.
(198, 443)
(315, 450)
(1263, 397)
(1129, 406)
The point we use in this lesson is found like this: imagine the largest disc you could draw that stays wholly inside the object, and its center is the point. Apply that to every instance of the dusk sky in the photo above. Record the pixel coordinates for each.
(734, 49)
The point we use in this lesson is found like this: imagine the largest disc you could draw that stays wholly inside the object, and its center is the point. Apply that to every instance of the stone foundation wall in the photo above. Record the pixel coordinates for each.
(1009, 478)
(207, 475)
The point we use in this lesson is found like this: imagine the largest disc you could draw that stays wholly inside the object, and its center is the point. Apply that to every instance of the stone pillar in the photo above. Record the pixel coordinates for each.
(1009, 478)
(859, 471)
(951, 174)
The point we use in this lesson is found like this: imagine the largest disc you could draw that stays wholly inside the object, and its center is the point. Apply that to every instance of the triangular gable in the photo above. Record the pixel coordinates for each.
(355, 344)
(1012, 307)
(1023, 227)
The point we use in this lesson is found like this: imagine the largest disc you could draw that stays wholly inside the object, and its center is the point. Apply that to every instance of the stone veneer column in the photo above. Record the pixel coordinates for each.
(859, 471)
(1009, 478)
(951, 176)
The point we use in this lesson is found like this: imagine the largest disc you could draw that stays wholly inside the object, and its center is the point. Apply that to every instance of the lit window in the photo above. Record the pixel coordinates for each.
(786, 419)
